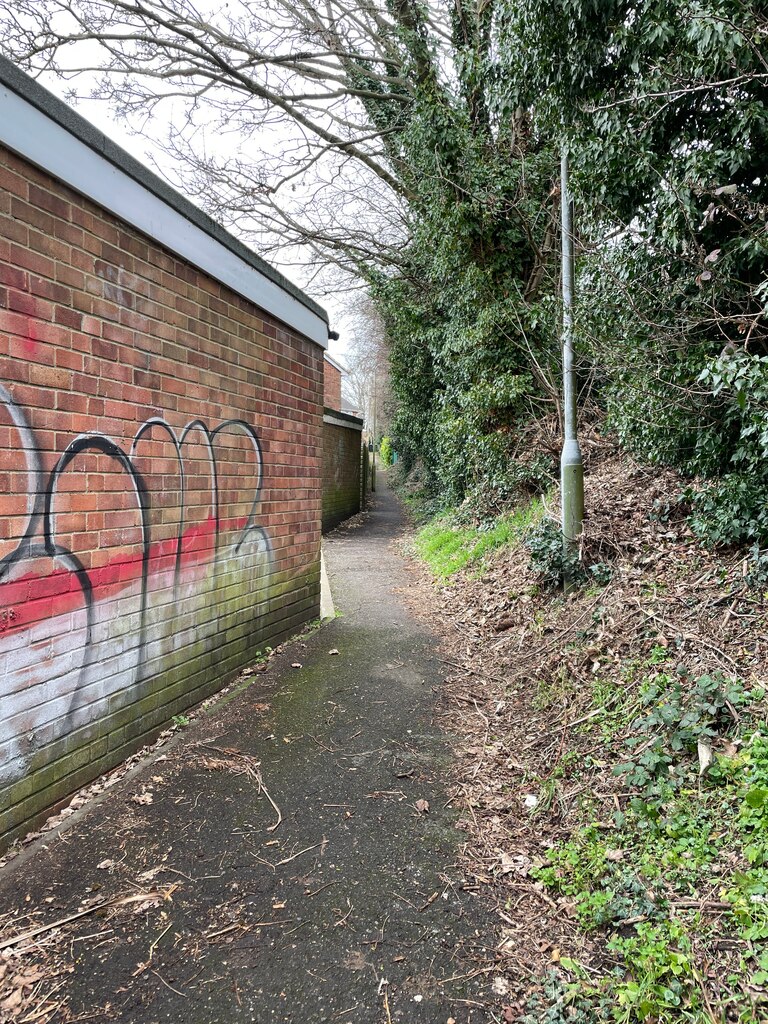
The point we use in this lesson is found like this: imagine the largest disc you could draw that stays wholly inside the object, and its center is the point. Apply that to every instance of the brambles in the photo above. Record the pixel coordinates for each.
(667, 846)
(545, 543)
(679, 716)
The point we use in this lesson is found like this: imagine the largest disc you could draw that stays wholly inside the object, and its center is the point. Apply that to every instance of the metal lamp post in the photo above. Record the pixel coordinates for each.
(571, 468)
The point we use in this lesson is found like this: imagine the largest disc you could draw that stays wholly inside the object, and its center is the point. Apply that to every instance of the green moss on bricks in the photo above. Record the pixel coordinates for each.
(236, 620)
(115, 739)
(76, 759)
(29, 785)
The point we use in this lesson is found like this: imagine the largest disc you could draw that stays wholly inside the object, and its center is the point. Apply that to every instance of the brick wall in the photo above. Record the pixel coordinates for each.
(332, 389)
(160, 456)
(342, 446)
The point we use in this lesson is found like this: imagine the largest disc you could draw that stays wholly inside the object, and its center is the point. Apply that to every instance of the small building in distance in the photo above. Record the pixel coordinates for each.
(351, 409)
(333, 380)
(344, 478)
(334, 372)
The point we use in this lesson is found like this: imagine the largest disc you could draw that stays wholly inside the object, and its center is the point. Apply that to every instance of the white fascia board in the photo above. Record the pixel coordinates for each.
(38, 138)
(337, 421)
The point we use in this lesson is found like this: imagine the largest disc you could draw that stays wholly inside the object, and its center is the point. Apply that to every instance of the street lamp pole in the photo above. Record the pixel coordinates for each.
(571, 468)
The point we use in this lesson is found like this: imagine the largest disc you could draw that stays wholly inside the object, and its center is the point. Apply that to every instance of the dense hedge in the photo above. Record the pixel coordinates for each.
(667, 124)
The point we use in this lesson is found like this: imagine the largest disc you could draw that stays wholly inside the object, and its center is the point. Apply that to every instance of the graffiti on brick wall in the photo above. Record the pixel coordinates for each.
(79, 639)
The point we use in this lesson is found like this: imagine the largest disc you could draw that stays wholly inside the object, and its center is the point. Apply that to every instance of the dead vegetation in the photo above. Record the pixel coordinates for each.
(37, 959)
(237, 763)
(542, 694)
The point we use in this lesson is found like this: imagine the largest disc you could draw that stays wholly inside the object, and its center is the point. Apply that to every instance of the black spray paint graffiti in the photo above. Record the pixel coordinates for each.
(39, 538)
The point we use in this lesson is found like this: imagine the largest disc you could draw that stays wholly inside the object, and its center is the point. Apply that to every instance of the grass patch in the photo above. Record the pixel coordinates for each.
(447, 545)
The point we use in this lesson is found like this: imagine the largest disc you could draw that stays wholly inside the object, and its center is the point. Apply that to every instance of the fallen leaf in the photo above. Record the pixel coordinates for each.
(13, 1002)
(142, 798)
(30, 978)
(150, 874)
(106, 865)
(614, 855)
(704, 748)
(422, 806)
(519, 864)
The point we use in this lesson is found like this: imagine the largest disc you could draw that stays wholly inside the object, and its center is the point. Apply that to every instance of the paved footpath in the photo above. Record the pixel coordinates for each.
(350, 910)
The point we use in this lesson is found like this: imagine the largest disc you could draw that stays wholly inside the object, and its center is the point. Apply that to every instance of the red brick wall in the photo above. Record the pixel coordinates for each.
(342, 458)
(160, 491)
(332, 386)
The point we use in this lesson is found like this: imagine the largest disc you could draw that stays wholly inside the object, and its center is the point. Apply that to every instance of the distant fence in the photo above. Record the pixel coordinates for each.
(344, 481)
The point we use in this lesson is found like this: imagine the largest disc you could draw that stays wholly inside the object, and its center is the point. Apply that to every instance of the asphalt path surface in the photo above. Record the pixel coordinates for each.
(351, 909)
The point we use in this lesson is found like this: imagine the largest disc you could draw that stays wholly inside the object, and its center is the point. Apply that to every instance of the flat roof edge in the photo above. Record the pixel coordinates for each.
(81, 156)
(342, 419)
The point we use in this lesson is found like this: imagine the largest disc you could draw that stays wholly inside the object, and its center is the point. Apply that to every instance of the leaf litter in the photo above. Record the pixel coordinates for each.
(522, 669)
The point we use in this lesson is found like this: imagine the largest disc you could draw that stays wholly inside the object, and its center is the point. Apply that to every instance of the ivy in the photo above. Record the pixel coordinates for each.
(663, 109)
